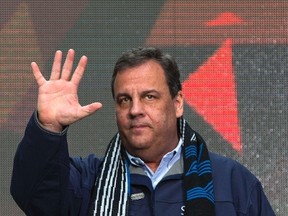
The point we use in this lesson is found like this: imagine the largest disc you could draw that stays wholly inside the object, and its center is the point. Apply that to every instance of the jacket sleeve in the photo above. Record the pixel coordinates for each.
(237, 191)
(248, 193)
(259, 204)
(41, 171)
(249, 197)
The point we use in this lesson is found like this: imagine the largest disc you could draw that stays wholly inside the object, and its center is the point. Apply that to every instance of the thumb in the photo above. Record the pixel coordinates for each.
(89, 109)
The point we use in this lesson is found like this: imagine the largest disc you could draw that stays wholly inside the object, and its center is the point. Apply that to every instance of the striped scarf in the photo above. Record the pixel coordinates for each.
(111, 193)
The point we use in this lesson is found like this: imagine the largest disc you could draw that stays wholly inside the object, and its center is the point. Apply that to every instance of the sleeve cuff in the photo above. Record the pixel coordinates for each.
(40, 126)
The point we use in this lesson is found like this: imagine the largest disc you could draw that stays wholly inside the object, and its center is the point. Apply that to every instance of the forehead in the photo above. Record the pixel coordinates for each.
(150, 73)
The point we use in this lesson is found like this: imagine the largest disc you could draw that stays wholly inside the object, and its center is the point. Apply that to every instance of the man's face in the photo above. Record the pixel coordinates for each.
(146, 113)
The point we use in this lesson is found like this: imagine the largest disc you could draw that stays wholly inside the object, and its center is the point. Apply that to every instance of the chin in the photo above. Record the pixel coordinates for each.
(135, 148)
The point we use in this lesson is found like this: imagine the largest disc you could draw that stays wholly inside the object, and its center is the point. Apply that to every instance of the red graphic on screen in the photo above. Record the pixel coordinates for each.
(211, 92)
(226, 19)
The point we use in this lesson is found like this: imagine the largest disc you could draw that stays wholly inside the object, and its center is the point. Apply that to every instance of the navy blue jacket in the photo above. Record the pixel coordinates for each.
(46, 181)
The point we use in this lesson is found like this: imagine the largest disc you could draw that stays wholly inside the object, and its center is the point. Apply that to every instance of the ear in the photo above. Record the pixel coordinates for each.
(178, 104)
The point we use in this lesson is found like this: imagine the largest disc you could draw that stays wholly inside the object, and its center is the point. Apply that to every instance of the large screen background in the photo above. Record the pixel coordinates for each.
(233, 57)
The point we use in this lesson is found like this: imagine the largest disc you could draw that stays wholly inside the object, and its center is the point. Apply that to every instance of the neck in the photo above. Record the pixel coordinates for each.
(153, 166)
(151, 160)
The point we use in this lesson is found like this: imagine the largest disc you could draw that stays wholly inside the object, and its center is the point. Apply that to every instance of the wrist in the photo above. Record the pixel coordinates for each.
(54, 128)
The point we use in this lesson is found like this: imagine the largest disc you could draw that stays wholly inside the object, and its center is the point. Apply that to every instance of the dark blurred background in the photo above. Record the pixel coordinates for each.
(233, 58)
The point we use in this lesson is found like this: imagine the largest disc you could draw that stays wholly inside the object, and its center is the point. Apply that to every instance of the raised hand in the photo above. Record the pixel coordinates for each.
(58, 105)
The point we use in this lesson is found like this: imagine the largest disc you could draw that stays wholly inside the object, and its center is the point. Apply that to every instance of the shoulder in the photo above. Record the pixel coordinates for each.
(85, 169)
(90, 162)
(233, 183)
(224, 167)
(237, 187)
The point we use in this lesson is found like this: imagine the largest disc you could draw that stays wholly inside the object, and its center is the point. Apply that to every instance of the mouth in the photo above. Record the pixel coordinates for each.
(138, 127)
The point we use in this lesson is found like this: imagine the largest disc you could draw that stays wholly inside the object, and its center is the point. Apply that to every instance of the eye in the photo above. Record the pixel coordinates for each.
(150, 97)
(123, 100)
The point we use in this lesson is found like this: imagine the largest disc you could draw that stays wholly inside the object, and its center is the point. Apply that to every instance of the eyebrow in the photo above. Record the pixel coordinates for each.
(121, 95)
(142, 93)
(150, 91)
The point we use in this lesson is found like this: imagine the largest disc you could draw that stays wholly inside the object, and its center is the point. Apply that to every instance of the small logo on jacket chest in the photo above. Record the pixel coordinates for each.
(137, 196)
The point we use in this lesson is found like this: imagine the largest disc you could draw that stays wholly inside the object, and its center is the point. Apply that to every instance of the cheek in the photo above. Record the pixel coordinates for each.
(119, 117)
(162, 115)
(170, 115)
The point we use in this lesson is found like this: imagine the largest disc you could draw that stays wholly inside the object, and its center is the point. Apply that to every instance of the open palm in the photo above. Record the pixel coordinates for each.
(58, 104)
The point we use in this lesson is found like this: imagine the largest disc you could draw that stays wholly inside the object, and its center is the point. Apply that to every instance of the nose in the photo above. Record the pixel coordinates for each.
(136, 108)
